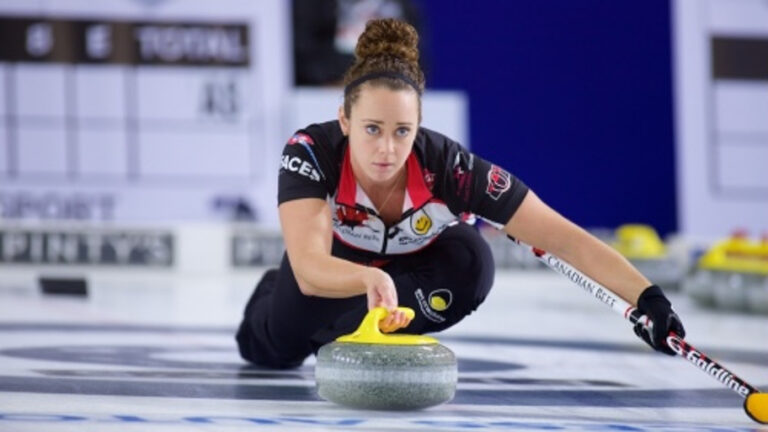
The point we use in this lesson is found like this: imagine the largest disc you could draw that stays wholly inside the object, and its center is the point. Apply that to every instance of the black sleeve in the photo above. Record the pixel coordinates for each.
(474, 185)
(301, 171)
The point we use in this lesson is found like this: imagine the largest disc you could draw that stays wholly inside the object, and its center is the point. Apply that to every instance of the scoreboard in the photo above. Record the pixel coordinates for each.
(721, 66)
(134, 110)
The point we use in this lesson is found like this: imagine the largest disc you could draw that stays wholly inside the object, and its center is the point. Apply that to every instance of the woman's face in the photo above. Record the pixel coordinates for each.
(381, 129)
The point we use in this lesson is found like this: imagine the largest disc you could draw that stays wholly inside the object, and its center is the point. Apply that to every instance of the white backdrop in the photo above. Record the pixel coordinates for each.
(721, 116)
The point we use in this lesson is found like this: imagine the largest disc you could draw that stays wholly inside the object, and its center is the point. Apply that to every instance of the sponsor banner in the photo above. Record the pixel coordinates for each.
(54, 205)
(256, 248)
(118, 247)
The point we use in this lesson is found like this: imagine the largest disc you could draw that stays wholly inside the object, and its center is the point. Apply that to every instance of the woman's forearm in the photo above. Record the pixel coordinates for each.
(323, 275)
(535, 223)
(603, 264)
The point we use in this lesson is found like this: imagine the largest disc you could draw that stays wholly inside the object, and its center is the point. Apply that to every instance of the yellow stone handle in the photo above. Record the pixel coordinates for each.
(369, 332)
(371, 321)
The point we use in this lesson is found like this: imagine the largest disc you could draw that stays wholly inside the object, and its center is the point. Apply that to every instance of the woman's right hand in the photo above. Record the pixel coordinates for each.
(380, 290)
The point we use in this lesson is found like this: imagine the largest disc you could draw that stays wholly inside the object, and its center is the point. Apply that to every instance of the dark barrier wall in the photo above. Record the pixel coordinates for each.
(573, 96)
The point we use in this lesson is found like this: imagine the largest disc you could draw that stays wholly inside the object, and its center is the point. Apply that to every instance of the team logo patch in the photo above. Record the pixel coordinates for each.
(352, 217)
(499, 182)
(440, 300)
(426, 308)
(301, 138)
(421, 222)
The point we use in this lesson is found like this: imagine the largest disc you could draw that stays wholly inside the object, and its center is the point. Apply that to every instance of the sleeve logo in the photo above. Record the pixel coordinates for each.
(301, 138)
(499, 182)
(297, 165)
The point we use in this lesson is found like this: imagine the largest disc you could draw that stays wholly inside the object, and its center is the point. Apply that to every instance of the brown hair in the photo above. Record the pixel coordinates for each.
(386, 46)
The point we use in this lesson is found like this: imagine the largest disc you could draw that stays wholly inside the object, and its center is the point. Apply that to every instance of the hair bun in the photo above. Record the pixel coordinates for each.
(388, 37)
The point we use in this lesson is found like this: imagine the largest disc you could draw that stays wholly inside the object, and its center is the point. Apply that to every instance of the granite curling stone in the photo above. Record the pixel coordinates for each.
(371, 370)
(732, 275)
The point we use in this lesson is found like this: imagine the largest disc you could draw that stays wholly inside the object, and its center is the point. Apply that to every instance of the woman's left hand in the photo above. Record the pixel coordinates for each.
(655, 305)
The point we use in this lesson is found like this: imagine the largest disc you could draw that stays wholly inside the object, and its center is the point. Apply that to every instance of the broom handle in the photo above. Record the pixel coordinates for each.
(633, 315)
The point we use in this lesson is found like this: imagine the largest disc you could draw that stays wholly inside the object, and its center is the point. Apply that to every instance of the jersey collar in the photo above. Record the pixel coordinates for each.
(350, 194)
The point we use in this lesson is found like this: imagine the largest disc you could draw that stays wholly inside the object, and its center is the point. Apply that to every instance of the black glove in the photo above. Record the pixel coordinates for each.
(655, 305)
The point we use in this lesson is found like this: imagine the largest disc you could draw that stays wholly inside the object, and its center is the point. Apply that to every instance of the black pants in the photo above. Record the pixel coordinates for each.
(442, 283)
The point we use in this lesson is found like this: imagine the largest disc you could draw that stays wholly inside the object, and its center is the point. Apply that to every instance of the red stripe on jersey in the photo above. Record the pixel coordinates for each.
(417, 188)
(347, 183)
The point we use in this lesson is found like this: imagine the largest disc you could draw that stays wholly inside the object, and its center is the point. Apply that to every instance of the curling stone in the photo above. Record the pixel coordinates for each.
(757, 293)
(641, 245)
(371, 370)
(700, 287)
(737, 271)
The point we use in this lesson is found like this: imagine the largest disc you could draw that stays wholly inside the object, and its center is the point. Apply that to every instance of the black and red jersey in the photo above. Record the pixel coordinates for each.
(445, 182)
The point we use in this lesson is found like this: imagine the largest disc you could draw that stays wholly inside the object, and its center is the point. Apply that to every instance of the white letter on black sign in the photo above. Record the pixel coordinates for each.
(98, 41)
(14, 245)
(39, 39)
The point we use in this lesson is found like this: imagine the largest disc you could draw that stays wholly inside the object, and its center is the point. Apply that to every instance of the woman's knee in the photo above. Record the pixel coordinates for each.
(452, 280)
(464, 259)
(256, 348)
(268, 310)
